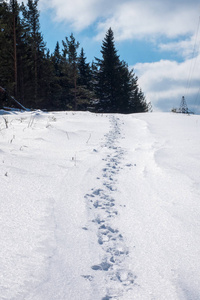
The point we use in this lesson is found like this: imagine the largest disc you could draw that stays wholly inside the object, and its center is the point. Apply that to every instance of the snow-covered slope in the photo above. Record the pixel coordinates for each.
(98, 207)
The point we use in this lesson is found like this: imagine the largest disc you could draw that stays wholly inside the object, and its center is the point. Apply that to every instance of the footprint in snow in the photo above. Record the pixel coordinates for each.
(118, 278)
(97, 192)
(104, 266)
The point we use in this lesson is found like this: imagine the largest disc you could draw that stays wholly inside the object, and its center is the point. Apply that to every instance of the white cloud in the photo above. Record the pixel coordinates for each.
(150, 19)
(129, 18)
(77, 13)
(184, 48)
(187, 48)
(165, 82)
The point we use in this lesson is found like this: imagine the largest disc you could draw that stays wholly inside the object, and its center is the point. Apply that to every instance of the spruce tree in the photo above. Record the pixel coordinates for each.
(116, 86)
(84, 71)
(6, 61)
(9, 24)
(14, 11)
(108, 75)
(57, 60)
(70, 50)
(85, 94)
(60, 84)
(36, 50)
(56, 86)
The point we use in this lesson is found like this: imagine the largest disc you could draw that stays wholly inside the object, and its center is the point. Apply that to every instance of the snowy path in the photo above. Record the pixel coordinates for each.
(99, 207)
(116, 277)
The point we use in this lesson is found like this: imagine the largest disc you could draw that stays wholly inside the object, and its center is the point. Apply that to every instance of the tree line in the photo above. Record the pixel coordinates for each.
(62, 80)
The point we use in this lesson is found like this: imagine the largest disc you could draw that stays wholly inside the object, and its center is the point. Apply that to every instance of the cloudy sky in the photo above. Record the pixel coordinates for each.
(160, 39)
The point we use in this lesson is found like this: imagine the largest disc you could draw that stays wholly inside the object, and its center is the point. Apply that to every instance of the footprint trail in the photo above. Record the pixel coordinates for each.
(102, 207)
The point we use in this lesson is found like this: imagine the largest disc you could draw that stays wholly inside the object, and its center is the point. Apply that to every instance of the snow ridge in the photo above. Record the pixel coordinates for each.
(102, 205)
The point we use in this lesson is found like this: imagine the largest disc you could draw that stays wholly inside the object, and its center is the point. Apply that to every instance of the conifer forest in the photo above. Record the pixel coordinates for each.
(62, 80)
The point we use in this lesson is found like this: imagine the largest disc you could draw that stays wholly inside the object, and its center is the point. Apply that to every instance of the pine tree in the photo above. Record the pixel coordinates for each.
(9, 24)
(84, 71)
(36, 49)
(70, 50)
(85, 94)
(24, 64)
(14, 11)
(116, 86)
(45, 79)
(56, 88)
(107, 77)
(6, 64)
(60, 83)
(57, 60)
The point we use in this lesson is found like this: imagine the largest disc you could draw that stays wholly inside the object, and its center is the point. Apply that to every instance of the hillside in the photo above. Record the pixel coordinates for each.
(98, 207)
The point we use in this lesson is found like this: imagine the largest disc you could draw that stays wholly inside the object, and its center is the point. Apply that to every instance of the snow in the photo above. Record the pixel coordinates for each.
(97, 206)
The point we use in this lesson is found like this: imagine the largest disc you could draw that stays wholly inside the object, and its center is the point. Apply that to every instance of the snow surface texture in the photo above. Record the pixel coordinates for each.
(99, 207)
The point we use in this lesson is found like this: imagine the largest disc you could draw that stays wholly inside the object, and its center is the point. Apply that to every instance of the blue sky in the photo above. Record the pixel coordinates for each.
(159, 39)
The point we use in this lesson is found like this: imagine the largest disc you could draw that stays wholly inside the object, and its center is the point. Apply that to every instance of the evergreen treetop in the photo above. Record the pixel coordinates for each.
(116, 86)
